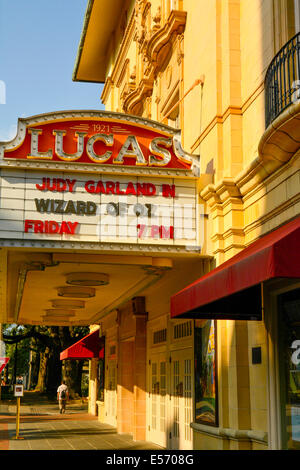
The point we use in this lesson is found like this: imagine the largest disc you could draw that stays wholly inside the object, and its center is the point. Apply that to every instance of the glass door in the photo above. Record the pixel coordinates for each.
(289, 353)
(111, 394)
(181, 400)
(158, 400)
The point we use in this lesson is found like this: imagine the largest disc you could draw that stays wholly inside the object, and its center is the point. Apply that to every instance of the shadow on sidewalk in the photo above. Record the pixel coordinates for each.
(35, 404)
(42, 427)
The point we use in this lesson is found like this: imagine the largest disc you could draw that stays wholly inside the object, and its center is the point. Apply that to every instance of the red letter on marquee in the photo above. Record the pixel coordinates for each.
(38, 226)
(168, 191)
(28, 225)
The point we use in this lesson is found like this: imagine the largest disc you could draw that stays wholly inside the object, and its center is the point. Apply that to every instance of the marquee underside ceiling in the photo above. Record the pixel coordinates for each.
(34, 282)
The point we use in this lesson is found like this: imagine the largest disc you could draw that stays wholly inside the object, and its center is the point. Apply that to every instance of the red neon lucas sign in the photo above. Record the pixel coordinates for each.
(105, 142)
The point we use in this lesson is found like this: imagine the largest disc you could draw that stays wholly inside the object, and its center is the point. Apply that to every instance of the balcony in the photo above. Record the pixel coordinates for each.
(282, 83)
(281, 139)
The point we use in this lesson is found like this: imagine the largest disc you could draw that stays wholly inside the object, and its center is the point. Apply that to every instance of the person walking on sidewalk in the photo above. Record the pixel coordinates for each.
(62, 396)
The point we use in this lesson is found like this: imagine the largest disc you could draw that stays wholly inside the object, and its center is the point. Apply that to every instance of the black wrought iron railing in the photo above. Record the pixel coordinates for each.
(282, 82)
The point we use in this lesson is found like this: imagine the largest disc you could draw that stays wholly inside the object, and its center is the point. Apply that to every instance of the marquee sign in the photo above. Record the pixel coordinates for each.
(97, 178)
(102, 139)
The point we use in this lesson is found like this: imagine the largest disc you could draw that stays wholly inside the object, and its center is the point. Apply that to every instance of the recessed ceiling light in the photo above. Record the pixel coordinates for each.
(55, 320)
(88, 279)
(59, 312)
(76, 292)
(67, 303)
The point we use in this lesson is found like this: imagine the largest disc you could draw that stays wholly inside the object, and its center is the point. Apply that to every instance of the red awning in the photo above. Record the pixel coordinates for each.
(232, 290)
(89, 347)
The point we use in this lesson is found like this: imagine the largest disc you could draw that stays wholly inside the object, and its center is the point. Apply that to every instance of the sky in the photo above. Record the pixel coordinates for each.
(38, 47)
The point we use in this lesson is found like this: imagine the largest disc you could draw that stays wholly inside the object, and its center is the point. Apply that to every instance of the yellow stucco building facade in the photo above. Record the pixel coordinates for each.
(194, 314)
(207, 67)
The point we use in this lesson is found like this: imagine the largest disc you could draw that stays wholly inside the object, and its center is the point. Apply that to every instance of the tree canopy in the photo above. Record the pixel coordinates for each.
(35, 350)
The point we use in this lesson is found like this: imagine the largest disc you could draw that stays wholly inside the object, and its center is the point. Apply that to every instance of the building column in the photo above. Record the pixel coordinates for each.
(125, 387)
(131, 389)
(93, 386)
(139, 428)
(239, 412)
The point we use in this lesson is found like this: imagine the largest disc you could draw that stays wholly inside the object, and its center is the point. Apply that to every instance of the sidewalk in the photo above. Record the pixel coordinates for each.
(43, 428)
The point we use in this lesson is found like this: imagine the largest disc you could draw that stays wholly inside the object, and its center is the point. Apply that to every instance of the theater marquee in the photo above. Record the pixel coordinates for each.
(84, 179)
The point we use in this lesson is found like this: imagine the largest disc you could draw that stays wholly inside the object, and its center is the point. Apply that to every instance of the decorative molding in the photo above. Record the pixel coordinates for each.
(218, 119)
(134, 100)
(169, 100)
(106, 89)
(227, 189)
(232, 434)
(122, 74)
(119, 62)
(154, 46)
(128, 88)
(101, 246)
(231, 110)
(84, 168)
(142, 9)
(156, 20)
(123, 49)
(222, 198)
(278, 146)
(160, 42)
(180, 50)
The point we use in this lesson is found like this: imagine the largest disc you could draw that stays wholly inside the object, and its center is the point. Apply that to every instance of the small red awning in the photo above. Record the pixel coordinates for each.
(89, 347)
(233, 289)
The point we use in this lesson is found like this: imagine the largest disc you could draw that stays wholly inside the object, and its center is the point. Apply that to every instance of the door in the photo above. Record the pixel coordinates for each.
(111, 394)
(158, 400)
(181, 400)
(289, 352)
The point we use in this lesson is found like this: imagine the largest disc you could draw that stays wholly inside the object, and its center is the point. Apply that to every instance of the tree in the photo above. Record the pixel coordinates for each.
(18, 353)
(46, 344)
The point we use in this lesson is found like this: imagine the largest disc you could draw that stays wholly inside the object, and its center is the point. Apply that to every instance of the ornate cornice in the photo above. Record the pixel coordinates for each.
(160, 42)
(133, 100)
(154, 45)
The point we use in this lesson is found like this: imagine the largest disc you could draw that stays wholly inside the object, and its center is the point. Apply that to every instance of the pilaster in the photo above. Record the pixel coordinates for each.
(132, 322)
